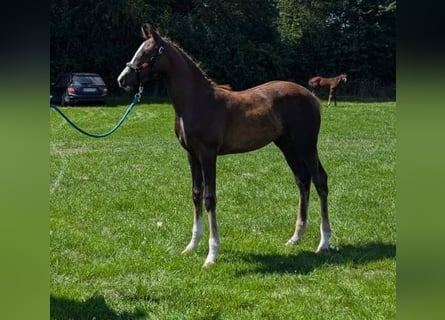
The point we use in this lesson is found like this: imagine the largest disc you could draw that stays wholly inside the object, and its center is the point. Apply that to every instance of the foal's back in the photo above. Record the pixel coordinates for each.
(287, 100)
(259, 115)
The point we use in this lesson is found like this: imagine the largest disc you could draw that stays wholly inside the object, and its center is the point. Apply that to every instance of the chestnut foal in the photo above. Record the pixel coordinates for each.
(332, 83)
(213, 120)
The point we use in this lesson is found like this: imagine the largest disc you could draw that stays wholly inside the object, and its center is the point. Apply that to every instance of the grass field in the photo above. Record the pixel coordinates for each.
(121, 213)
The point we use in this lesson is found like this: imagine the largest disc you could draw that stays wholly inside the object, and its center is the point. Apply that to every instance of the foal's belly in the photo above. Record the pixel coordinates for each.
(249, 136)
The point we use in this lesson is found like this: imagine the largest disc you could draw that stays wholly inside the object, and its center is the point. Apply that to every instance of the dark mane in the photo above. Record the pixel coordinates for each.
(192, 61)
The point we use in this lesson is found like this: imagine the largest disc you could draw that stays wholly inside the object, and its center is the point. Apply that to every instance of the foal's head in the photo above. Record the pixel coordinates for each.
(146, 62)
(343, 77)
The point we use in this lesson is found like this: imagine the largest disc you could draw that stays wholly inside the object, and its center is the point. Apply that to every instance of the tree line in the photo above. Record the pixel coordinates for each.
(241, 43)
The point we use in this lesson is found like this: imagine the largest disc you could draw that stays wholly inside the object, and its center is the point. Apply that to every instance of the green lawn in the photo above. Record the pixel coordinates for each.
(121, 213)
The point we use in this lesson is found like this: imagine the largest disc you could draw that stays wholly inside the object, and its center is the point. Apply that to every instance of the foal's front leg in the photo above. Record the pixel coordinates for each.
(209, 174)
(331, 92)
(197, 188)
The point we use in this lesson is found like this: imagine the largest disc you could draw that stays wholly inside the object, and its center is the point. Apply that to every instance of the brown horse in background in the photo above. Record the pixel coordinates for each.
(332, 83)
(212, 120)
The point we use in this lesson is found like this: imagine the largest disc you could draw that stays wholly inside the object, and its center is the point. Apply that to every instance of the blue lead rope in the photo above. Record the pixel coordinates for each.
(136, 99)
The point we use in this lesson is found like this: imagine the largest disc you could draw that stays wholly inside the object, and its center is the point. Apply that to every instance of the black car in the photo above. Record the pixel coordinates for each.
(74, 88)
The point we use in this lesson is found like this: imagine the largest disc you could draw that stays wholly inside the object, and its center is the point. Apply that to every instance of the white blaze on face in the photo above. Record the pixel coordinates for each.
(137, 52)
(127, 69)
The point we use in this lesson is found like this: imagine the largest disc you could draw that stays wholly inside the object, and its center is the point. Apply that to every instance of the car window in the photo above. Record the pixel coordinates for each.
(85, 80)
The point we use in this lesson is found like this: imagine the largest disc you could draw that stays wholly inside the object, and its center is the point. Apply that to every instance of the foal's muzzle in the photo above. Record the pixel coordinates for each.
(122, 79)
(137, 70)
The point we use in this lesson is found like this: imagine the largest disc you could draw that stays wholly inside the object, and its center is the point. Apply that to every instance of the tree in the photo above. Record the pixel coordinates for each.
(95, 35)
(243, 43)
(236, 41)
(352, 36)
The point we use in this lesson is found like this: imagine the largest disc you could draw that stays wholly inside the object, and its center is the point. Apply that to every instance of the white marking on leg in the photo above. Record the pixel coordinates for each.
(213, 252)
(324, 240)
(213, 235)
(301, 228)
(196, 236)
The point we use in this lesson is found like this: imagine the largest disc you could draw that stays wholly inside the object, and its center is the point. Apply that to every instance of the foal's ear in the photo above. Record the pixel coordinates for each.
(147, 30)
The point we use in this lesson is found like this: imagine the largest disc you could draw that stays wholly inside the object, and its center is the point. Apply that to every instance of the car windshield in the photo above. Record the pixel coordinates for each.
(85, 80)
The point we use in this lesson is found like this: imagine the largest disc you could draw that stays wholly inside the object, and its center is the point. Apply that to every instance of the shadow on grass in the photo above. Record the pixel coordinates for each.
(93, 308)
(307, 261)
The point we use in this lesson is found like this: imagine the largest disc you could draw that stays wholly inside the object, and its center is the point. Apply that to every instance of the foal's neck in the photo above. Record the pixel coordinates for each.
(185, 81)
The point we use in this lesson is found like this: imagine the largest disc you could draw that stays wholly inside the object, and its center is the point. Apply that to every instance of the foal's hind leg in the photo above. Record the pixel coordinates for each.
(197, 190)
(303, 181)
(320, 179)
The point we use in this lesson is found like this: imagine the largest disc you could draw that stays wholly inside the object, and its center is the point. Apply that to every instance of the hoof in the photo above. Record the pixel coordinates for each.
(324, 241)
(208, 264)
(292, 242)
(321, 249)
(188, 249)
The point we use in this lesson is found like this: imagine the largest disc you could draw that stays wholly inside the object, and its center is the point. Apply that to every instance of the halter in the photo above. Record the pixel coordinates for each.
(150, 64)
